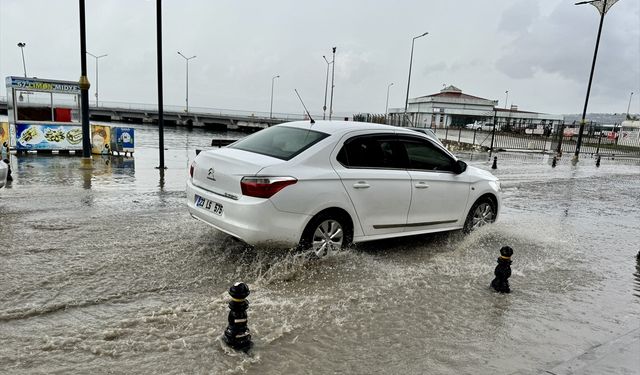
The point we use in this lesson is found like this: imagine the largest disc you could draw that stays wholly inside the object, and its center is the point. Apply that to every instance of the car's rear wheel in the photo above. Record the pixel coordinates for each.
(482, 212)
(327, 232)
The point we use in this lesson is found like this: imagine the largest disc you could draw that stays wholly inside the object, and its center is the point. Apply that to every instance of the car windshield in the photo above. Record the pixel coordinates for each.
(280, 141)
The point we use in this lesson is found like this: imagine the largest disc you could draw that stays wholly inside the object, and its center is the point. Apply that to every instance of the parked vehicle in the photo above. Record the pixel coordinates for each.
(487, 126)
(4, 170)
(474, 126)
(328, 184)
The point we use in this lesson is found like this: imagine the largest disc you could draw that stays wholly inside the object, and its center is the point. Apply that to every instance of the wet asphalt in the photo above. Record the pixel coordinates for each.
(104, 271)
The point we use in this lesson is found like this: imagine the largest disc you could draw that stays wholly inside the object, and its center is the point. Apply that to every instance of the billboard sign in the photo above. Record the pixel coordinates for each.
(48, 137)
(48, 85)
(4, 132)
(100, 139)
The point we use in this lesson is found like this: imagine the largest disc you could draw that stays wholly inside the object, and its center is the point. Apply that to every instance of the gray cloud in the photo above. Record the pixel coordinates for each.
(562, 44)
(523, 46)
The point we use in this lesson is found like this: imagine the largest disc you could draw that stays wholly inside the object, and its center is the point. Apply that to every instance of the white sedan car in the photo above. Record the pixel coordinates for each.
(4, 170)
(474, 126)
(328, 184)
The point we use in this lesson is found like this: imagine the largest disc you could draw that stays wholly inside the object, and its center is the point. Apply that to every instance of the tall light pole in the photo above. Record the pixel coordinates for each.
(629, 106)
(271, 108)
(326, 84)
(506, 99)
(602, 6)
(386, 107)
(161, 167)
(84, 86)
(333, 74)
(406, 101)
(186, 59)
(97, 58)
(24, 66)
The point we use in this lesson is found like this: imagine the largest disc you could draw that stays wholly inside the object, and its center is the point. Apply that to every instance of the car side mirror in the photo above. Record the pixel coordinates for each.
(460, 167)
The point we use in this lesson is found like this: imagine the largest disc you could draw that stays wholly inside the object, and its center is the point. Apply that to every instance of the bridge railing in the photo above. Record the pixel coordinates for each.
(145, 107)
(194, 111)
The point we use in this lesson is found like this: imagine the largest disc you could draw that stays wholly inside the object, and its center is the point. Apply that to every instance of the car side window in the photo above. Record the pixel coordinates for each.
(423, 155)
(372, 152)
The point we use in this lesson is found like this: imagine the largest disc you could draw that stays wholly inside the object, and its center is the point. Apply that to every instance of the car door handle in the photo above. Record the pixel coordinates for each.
(421, 185)
(361, 185)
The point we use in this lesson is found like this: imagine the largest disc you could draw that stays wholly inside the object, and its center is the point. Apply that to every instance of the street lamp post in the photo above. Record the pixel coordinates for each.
(326, 84)
(406, 101)
(186, 59)
(97, 58)
(24, 66)
(84, 86)
(333, 74)
(629, 106)
(386, 107)
(602, 6)
(271, 107)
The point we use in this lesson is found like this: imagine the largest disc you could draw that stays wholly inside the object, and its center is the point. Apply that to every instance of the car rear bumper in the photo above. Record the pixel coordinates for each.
(255, 221)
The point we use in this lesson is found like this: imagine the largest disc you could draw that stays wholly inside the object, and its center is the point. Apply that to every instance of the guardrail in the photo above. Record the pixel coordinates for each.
(601, 145)
(193, 111)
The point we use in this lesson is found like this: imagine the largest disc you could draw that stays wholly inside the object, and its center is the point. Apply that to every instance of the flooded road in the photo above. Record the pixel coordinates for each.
(104, 271)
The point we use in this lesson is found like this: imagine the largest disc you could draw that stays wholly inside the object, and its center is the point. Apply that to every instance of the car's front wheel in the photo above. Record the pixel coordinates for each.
(482, 212)
(326, 233)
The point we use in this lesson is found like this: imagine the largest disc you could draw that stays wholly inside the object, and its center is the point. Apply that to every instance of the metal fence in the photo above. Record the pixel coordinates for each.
(620, 142)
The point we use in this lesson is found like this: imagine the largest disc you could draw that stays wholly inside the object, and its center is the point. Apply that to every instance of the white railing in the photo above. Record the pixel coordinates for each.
(193, 111)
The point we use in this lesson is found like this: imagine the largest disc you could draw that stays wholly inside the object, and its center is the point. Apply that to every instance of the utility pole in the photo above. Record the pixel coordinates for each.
(24, 66)
(333, 74)
(326, 84)
(186, 59)
(84, 87)
(406, 101)
(603, 10)
(160, 101)
(386, 107)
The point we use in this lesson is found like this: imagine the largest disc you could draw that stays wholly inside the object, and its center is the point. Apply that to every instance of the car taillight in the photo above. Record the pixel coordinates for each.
(264, 187)
(191, 169)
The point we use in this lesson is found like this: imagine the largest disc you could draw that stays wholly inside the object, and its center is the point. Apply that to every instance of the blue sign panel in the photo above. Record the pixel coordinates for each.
(122, 139)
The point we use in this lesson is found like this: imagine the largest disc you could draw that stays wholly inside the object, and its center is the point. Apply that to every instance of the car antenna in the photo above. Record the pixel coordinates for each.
(305, 107)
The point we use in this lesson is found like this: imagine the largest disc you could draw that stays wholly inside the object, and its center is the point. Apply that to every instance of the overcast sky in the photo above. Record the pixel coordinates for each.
(540, 51)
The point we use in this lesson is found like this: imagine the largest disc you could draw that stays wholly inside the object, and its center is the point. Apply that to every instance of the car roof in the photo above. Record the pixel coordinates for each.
(340, 127)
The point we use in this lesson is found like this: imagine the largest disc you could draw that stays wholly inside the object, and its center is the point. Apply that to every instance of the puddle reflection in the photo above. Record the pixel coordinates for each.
(70, 170)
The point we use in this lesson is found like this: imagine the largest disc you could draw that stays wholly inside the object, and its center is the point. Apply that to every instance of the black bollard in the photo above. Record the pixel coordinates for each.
(503, 271)
(237, 334)
(495, 163)
(598, 161)
(9, 177)
(554, 162)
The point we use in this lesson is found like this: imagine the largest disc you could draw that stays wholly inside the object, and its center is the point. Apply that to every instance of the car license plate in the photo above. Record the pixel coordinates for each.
(208, 205)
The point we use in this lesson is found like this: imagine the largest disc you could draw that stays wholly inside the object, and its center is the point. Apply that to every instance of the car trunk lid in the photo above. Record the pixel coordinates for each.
(220, 171)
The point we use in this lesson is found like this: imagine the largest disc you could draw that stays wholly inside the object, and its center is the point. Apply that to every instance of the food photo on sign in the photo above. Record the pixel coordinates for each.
(48, 137)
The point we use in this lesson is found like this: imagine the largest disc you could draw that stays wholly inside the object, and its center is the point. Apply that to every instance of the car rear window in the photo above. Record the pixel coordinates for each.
(280, 142)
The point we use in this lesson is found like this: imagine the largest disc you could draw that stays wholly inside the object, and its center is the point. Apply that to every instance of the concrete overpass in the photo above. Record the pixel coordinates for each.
(136, 113)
